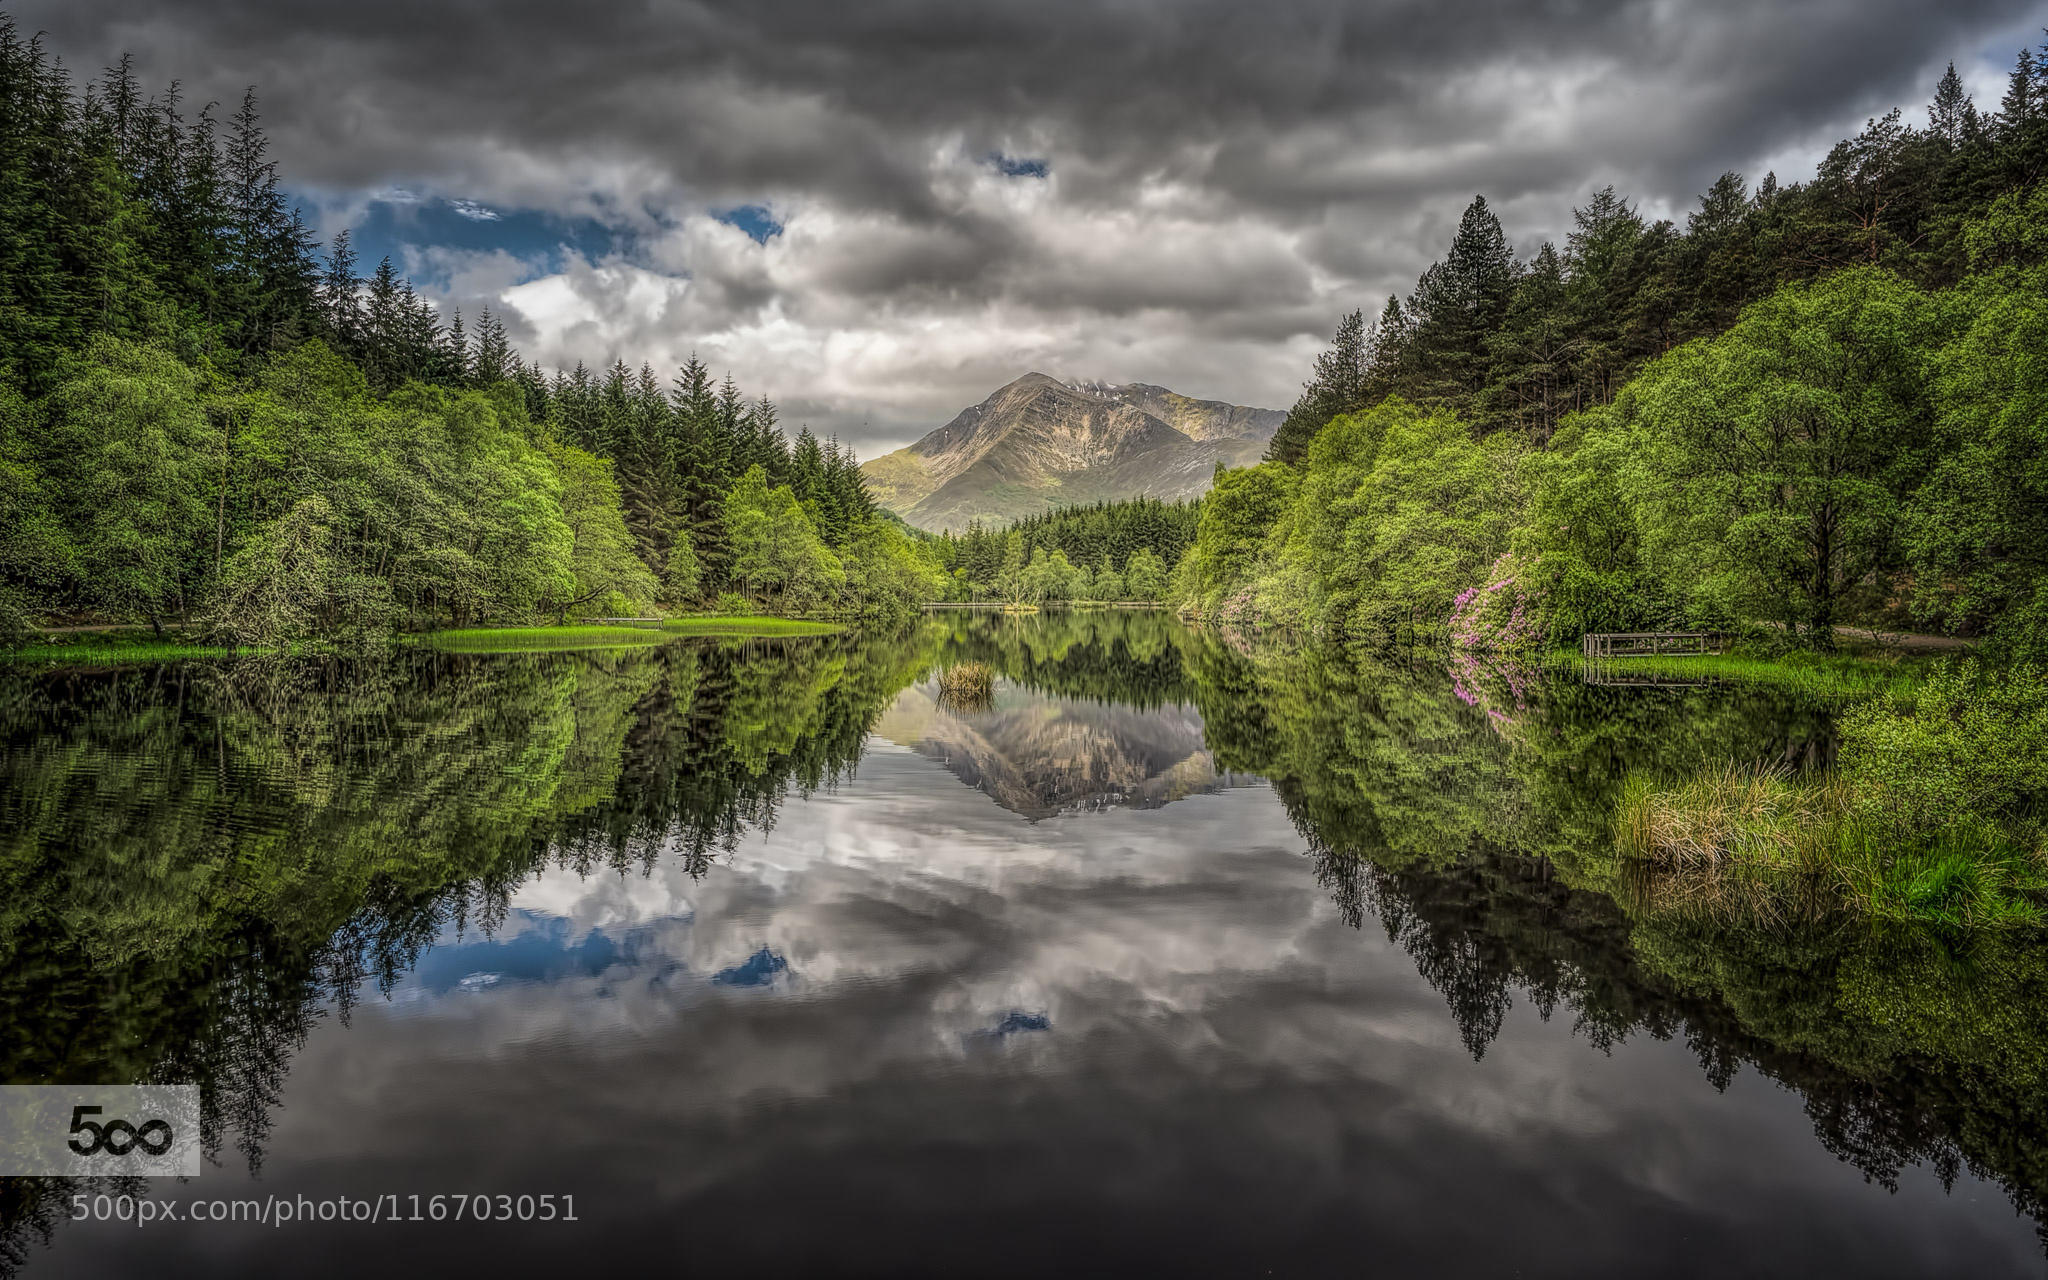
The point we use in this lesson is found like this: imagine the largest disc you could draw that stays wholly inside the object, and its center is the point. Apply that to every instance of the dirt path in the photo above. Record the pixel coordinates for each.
(1905, 641)
(104, 626)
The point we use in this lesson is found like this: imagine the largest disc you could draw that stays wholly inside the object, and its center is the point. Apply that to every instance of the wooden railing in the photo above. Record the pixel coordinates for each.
(1645, 644)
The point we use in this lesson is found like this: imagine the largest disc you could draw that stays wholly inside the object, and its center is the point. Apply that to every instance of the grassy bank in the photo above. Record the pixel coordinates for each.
(1828, 677)
(1753, 839)
(712, 625)
(140, 646)
(521, 639)
(1937, 811)
(101, 650)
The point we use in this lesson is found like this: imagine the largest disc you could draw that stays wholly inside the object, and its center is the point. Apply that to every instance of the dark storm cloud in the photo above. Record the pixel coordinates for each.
(1232, 174)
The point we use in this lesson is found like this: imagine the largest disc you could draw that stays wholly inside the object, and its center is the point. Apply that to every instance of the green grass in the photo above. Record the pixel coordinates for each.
(99, 651)
(1828, 677)
(128, 647)
(713, 625)
(520, 639)
(1747, 840)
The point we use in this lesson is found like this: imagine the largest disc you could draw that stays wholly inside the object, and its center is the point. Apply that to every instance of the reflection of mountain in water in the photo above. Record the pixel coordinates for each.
(1039, 755)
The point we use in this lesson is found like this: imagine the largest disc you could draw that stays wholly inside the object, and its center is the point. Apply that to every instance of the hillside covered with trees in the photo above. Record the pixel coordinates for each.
(1817, 403)
(205, 419)
(1106, 551)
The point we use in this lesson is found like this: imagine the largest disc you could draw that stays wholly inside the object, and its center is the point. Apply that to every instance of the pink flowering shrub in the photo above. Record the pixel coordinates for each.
(1502, 614)
(1499, 688)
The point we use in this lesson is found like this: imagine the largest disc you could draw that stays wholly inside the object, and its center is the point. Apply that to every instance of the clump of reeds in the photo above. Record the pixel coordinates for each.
(1756, 815)
(1759, 840)
(968, 686)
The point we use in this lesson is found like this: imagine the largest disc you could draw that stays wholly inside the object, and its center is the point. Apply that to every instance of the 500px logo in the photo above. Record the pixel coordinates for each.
(102, 1137)
(149, 1131)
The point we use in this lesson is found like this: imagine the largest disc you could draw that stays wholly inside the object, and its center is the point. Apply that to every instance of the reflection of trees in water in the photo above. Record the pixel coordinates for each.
(199, 862)
(1130, 657)
(1880, 1094)
(1474, 837)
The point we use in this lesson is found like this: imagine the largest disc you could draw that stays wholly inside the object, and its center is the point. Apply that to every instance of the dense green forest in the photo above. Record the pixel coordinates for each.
(1818, 403)
(204, 420)
(1107, 551)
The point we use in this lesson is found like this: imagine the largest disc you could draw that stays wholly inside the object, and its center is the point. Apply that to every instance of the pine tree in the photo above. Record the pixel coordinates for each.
(338, 286)
(703, 471)
(493, 361)
(1719, 257)
(1456, 304)
(2022, 96)
(271, 276)
(1947, 115)
(384, 323)
(768, 449)
(806, 467)
(460, 367)
(1533, 350)
(1339, 386)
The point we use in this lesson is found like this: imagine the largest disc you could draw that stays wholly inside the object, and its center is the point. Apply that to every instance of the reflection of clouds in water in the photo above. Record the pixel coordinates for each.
(922, 915)
(906, 871)
(1216, 1047)
(604, 899)
(911, 892)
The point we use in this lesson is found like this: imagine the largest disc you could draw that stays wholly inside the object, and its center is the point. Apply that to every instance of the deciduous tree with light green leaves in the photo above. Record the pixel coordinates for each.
(1784, 452)
(1145, 576)
(776, 550)
(1977, 531)
(602, 558)
(140, 467)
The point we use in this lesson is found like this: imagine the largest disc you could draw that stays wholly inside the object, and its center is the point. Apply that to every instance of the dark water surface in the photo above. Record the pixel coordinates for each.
(1183, 956)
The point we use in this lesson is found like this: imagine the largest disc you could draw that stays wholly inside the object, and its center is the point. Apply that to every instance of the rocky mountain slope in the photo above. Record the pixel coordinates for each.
(1040, 443)
(1040, 756)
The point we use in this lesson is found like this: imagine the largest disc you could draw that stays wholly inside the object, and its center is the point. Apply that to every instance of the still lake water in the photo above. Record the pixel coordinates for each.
(1184, 956)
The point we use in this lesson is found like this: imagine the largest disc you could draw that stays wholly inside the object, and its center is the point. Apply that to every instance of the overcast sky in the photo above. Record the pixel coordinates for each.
(876, 212)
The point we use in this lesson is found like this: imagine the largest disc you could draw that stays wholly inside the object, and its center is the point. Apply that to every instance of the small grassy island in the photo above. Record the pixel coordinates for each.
(517, 639)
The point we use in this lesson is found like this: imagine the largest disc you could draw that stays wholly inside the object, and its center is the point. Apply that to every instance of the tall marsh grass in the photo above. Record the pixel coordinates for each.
(967, 686)
(1759, 840)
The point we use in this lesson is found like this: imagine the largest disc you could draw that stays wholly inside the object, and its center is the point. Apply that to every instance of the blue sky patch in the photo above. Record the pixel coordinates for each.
(753, 219)
(544, 952)
(398, 220)
(1018, 166)
(757, 970)
(1017, 1020)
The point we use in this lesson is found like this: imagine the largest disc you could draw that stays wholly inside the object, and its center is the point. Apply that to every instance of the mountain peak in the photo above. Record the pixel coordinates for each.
(1039, 442)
